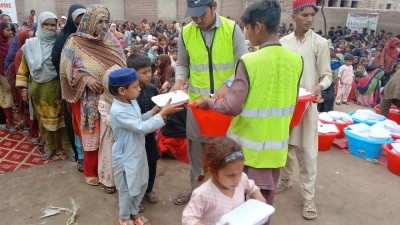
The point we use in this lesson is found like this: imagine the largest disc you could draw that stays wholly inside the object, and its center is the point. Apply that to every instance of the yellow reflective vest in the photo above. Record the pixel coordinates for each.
(209, 67)
(262, 128)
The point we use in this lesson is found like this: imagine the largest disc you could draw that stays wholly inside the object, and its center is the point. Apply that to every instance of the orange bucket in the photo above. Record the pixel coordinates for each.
(340, 126)
(395, 116)
(393, 158)
(325, 140)
(211, 123)
(301, 106)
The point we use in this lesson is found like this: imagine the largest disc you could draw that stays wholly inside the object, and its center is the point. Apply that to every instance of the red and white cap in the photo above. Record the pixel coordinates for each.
(297, 4)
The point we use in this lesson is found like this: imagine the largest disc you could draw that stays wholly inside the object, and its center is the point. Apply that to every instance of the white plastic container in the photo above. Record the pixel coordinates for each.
(178, 96)
(251, 212)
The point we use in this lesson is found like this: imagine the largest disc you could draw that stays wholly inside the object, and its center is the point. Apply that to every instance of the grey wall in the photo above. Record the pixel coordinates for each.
(388, 19)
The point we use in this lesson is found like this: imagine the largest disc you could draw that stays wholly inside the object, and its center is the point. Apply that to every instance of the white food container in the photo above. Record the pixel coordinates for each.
(251, 212)
(178, 96)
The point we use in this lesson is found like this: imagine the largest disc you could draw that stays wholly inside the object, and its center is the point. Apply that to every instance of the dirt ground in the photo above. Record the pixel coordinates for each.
(349, 191)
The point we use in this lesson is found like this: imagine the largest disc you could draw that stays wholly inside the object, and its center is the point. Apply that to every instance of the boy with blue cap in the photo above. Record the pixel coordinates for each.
(128, 152)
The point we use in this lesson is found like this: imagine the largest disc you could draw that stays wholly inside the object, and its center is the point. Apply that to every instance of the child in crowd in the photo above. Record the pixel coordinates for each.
(162, 45)
(341, 47)
(142, 65)
(361, 68)
(378, 54)
(345, 79)
(223, 162)
(164, 71)
(129, 126)
(174, 57)
(325, 103)
(364, 61)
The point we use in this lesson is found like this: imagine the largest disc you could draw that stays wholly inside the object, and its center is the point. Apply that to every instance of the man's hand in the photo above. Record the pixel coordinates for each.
(317, 92)
(177, 86)
(202, 104)
(221, 92)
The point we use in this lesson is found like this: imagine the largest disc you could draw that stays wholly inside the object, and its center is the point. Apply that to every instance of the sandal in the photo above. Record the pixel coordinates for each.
(282, 185)
(141, 208)
(110, 190)
(128, 222)
(141, 221)
(309, 210)
(183, 197)
(151, 197)
(79, 165)
(93, 181)
(37, 141)
(12, 130)
(47, 155)
(71, 156)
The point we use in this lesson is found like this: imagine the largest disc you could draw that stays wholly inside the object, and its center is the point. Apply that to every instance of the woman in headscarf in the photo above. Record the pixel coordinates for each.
(86, 56)
(390, 54)
(6, 98)
(37, 73)
(106, 172)
(75, 15)
(368, 88)
(164, 71)
(28, 121)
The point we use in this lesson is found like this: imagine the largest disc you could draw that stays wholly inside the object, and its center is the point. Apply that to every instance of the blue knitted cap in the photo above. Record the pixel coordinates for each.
(122, 77)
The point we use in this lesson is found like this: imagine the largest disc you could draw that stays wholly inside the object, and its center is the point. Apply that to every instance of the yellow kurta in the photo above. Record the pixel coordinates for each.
(315, 52)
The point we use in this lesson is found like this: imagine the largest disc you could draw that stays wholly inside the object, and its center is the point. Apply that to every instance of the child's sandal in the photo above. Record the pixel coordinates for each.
(93, 181)
(128, 222)
(151, 197)
(141, 221)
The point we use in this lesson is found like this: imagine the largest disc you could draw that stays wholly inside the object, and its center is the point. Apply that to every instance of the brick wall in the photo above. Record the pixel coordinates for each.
(232, 8)
(138, 9)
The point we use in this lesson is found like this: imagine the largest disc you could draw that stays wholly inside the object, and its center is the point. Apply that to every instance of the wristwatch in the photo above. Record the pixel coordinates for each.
(228, 83)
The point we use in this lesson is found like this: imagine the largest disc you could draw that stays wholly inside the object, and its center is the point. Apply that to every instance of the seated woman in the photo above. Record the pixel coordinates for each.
(368, 88)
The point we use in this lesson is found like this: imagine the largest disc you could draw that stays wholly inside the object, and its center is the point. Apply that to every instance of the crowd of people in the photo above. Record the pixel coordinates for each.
(362, 64)
(83, 85)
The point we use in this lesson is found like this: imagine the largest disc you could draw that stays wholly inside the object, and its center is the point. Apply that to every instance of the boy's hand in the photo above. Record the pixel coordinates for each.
(202, 104)
(169, 108)
(156, 109)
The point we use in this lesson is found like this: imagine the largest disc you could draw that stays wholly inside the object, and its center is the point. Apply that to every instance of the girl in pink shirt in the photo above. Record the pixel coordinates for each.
(345, 76)
(223, 162)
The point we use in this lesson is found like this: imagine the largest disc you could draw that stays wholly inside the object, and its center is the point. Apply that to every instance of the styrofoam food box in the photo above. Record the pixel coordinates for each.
(251, 212)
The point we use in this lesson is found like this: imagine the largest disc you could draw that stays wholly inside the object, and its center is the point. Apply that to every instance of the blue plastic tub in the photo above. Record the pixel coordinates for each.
(364, 148)
(369, 123)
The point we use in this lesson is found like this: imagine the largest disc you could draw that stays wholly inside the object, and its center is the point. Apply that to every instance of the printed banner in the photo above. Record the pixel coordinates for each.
(358, 21)
(8, 7)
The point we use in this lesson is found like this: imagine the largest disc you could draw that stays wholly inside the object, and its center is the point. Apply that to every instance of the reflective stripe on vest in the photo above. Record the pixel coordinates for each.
(199, 90)
(263, 113)
(259, 146)
(209, 67)
(204, 67)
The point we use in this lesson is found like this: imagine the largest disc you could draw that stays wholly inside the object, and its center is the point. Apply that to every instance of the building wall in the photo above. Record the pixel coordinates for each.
(169, 10)
(337, 17)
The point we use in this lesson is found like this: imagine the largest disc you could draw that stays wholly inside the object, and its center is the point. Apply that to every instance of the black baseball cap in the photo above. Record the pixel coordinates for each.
(197, 8)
